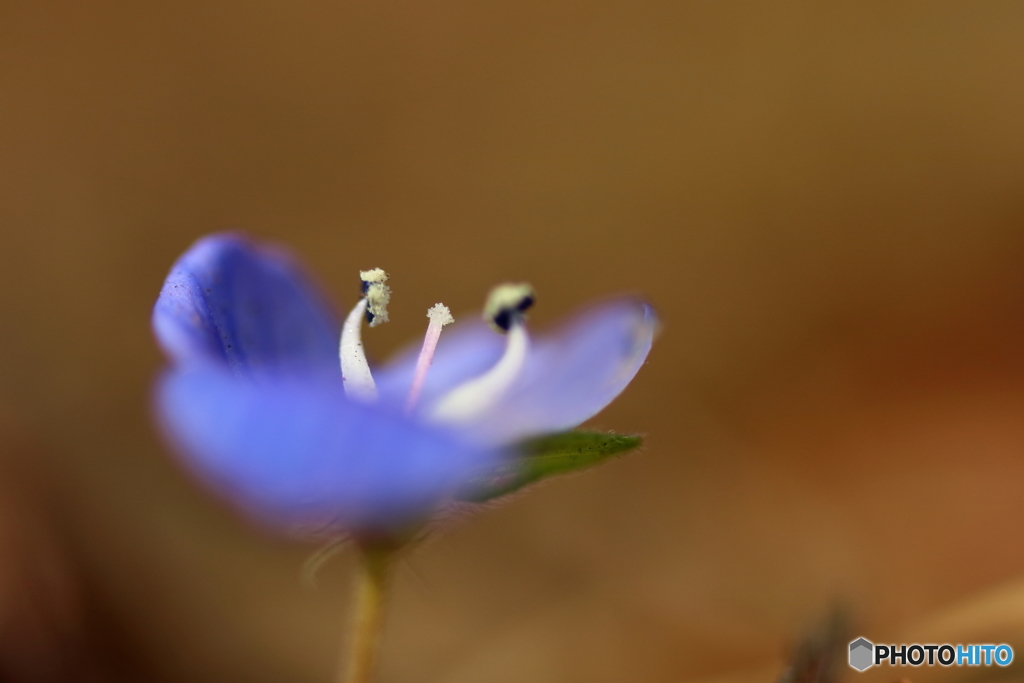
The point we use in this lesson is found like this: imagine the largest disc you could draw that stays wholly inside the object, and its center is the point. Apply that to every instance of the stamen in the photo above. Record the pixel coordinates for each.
(439, 317)
(505, 311)
(355, 370)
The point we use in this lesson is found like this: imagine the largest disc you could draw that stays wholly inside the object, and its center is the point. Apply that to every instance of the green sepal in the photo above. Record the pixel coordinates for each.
(547, 456)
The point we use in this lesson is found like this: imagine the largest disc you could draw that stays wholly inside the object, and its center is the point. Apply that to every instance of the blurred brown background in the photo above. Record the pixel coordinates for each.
(825, 203)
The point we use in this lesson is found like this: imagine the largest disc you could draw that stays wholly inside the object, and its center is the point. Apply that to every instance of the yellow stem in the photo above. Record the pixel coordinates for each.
(368, 616)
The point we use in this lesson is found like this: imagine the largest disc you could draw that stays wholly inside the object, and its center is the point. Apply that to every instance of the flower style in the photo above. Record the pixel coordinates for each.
(259, 406)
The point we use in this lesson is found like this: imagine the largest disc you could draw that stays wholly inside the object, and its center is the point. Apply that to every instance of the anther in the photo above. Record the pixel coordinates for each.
(507, 303)
(377, 295)
(439, 316)
(355, 370)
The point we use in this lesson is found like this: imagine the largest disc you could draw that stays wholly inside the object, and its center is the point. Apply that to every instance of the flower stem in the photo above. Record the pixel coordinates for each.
(368, 616)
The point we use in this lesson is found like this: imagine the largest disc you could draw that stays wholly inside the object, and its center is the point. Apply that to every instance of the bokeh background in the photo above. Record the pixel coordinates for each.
(824, 201)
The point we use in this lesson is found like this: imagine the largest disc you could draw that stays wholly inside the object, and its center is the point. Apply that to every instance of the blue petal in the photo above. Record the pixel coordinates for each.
(229, 301)
(294, 453)
(574, 373)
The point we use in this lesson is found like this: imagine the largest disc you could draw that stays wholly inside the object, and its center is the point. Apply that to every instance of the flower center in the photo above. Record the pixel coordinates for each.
(505, 310)
(355, 370)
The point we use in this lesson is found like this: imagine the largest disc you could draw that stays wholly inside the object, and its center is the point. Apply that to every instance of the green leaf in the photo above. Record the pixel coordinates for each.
(545, 457)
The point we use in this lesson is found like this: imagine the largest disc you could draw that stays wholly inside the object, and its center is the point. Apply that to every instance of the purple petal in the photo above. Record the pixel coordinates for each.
(296, 454)
(574, 373)
(229, 301)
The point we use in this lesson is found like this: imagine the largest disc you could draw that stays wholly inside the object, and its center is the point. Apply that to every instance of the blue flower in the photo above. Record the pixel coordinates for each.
(260, 408)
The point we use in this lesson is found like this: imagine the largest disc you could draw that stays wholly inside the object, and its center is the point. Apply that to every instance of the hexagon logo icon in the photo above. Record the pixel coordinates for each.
(861, 654)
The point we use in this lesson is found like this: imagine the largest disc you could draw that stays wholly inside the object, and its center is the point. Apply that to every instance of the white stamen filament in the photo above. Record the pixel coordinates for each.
(439, 317)
(355, 371)
(474, 397)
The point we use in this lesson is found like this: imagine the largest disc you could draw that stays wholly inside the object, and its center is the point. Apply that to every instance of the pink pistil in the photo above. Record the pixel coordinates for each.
(439, 317)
